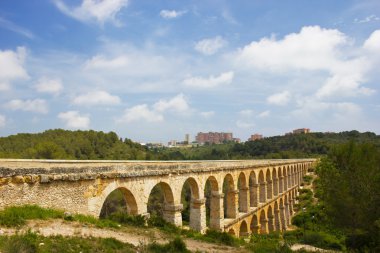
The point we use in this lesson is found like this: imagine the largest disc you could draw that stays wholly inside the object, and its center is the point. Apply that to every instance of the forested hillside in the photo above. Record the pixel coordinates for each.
(289, 146)
(63, 144)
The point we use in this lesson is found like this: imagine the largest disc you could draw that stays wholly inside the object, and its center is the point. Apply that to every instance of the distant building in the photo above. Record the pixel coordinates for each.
(187, 138)
(213, 137)
(301, 131)
(237, 140)
(154, 145)
(255, 137)
(172, 143)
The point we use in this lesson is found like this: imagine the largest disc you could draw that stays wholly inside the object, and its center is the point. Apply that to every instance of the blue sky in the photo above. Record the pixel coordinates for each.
(156, 70)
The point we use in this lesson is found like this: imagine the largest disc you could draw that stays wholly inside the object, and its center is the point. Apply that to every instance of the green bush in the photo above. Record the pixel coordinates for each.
(322, 240)
(175, 246)
(221, 237)
(124, 218)
(17, 215)
(159, 222)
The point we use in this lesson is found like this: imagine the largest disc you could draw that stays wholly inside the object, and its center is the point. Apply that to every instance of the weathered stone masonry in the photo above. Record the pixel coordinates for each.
(259, 199)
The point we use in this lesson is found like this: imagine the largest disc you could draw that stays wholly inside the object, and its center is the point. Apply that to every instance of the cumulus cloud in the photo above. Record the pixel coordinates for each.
(210, 46)
(264, 114)
(372, 44)
(312, 49)
(96, 98)
(141, 113)
(280, 99)
(12, 67)
(2, 121)
(170, 14)
(177, 103)
(101, 62)
(74, 120)
(211, 81)
(35, 105)
(207, 114)
(49, 85)
(101, 11)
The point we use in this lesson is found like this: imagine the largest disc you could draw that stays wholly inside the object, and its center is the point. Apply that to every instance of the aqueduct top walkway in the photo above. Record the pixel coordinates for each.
(242, 196)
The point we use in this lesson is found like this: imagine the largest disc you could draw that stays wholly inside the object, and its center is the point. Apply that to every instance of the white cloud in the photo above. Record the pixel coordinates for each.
(367, 19)
(74, 120)
(246, 113)
(325, 51)
(177, 103)
(280, 99)
(100, 62)
(101, 11)
(36, 105)
(264, 114)
(48, 85)
(210, 82)
(11, 67)
(210, 46)
(15, 28)
(170, 14)
(207, 114)
(372, 44)
(141, 113)
(2, 121)
(96, 98)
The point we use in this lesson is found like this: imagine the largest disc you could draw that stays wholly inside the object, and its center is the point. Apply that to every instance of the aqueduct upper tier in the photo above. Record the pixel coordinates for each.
(242, 196)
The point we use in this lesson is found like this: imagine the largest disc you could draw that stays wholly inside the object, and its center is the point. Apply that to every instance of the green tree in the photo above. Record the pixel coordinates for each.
(349, 187)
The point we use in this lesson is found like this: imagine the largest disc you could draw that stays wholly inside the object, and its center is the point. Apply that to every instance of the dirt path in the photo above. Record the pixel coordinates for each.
(135, 236)
(311, 248)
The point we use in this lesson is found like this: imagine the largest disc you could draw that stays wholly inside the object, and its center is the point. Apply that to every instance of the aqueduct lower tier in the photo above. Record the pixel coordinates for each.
(252, 196)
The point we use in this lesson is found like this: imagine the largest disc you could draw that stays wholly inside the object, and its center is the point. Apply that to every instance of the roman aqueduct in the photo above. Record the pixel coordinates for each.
(253, 196)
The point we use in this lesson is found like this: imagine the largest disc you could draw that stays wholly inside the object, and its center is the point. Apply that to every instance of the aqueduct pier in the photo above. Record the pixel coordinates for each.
(250, 196)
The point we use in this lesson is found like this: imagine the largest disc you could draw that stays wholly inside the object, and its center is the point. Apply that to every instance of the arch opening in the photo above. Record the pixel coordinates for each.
(229, 203)
(120, 200)
(253, 188)
(212, 196)
(263, 223)
(254, 224)
(243, 229)
(243, 193)
(189, 192)
(160, 199)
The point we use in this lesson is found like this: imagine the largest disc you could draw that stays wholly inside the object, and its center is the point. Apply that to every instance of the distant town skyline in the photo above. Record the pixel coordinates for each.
(152, 71)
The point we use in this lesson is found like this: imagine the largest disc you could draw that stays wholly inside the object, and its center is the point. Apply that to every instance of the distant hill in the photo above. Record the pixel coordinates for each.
(277, 147)
(64, 144)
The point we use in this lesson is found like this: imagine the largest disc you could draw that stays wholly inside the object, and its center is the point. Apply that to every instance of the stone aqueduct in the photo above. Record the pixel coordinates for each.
(258, 195)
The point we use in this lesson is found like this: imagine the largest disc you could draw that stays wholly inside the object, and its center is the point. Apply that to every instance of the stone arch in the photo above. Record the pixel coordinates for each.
(232, 232)
(161, 203)
(277, 222)
(275, 182)
(243, 229)
(123, 198)
(213, 198)
(294, 175)
(191, 204)
(230, 208)
(262, 187)
(270, 216)
(269, 183)
(255, 224)
(253, 190)
(280, 181)
(263, 222)
(285, 175)
(243, 193)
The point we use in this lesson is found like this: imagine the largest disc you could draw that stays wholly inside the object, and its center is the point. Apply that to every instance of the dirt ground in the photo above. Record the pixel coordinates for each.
(135, 236)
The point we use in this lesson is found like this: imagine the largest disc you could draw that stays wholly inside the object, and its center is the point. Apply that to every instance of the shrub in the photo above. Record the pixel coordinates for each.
(125, 218)
(221, 237)
(17, 215)
(175, 246)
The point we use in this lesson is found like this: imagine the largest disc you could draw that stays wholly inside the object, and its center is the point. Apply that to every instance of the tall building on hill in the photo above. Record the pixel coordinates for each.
(213, 137)
(301, 131)
(255, 137)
